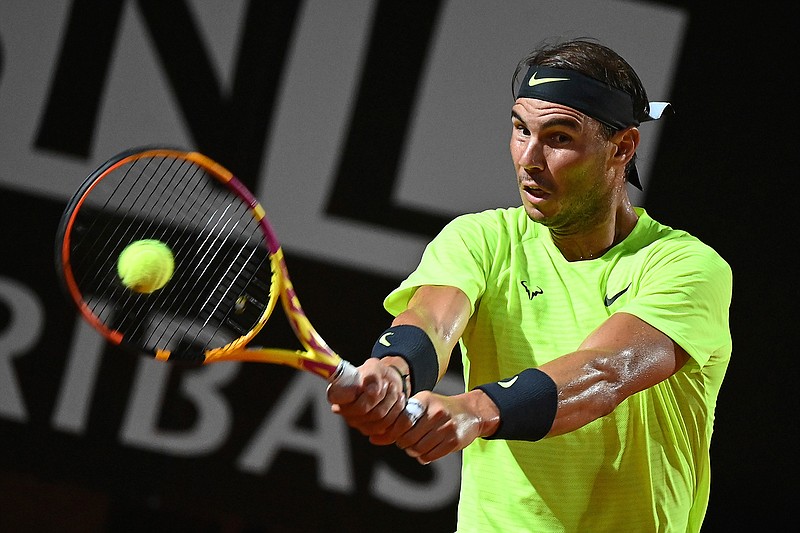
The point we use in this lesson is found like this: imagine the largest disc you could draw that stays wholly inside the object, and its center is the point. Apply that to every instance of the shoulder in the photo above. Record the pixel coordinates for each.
(679, 250)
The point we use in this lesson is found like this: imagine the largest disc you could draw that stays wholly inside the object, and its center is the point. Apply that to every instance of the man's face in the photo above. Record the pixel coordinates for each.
(563, 163)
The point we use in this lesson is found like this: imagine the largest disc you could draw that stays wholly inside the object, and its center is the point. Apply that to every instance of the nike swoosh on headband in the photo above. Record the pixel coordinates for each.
(534, 81)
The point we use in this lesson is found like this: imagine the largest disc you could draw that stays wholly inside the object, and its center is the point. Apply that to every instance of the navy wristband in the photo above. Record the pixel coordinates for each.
(527, 403)
(412, 344)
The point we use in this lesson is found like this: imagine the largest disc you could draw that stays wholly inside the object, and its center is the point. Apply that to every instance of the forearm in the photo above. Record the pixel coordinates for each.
(622, 357)
(594, 380)
(553, 399)
(442, 313)
(441, 335)
(589, 387)
(426, 333)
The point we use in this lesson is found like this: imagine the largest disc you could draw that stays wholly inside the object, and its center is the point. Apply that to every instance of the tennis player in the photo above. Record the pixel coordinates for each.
(594, 339)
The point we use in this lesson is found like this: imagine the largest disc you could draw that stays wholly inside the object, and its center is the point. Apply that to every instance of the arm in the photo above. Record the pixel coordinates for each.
(623, 356)
(442, 313)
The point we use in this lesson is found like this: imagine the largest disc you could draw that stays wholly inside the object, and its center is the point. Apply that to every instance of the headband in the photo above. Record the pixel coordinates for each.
(602, 102)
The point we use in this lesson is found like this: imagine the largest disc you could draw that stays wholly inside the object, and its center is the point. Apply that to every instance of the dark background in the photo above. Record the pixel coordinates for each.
(723, 172)
(725, 169)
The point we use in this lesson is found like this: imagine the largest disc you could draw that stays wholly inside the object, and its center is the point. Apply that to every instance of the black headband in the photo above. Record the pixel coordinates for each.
(602, 102)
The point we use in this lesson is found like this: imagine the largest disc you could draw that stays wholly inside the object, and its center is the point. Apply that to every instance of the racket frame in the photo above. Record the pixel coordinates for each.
(317, 357)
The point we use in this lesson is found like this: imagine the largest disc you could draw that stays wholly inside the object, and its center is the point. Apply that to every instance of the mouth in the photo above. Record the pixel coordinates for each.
(533, 192)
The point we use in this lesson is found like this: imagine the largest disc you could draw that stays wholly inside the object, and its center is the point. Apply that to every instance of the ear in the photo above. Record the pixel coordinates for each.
(625, 142)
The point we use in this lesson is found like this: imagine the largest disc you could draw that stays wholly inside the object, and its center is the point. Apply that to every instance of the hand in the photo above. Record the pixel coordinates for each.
(450, 424)
(378, 402)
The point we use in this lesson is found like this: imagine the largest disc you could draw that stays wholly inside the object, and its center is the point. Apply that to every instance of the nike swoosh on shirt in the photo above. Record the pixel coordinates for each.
(608, 301)
(507, 384)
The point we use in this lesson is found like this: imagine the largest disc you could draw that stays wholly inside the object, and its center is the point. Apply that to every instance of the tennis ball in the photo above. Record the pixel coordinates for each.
(145, 266)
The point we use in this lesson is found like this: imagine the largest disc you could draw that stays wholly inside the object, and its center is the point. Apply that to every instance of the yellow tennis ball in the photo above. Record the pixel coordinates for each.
(145, 266)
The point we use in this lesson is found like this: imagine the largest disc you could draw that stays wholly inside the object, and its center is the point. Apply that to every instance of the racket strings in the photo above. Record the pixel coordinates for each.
(174, 300)
(217, 291)
(214, 273)
(108, 224)
(104, 244)
(220, 250)
(149, 202)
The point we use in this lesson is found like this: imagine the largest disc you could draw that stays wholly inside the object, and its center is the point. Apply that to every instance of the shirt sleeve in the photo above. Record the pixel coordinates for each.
(686, 293)
(456, 257)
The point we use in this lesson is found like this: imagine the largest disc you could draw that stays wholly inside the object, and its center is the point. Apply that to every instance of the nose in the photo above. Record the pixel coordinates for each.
(531, 155)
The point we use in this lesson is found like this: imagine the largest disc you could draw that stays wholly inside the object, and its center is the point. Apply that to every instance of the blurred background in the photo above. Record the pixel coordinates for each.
(363, 126)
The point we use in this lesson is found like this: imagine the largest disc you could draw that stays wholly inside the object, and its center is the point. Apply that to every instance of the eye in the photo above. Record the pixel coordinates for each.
(521, 129)
(560, 138)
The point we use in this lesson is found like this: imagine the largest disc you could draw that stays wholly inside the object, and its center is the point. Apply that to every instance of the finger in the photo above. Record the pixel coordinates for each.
(372, 393)
(411, 412)
(391, 388)
(408, 439)
(350, 388)
(379, 419)
(432, 453)
(342, 395)
(425, 449)
(399, 426)
(382, 417)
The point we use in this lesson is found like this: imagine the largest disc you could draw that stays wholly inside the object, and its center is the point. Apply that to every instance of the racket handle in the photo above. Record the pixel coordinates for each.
(347, 375)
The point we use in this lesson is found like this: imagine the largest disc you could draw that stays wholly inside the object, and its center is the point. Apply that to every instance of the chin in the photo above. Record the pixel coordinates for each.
(534, 213)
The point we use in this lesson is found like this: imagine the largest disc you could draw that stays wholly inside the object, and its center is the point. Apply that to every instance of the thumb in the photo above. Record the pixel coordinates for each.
(338, 394)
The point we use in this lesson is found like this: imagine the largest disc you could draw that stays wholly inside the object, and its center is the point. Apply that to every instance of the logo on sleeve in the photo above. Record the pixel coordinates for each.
(385, 339)
(610, 300)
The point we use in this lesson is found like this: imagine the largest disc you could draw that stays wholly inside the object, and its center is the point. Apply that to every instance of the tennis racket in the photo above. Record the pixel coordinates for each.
(229, 267)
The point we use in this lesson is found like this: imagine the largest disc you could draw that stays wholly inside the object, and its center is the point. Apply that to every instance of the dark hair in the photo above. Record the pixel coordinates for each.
(592, 59)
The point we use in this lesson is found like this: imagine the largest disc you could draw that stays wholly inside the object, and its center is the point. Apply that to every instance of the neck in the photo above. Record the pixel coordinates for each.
(597, 237)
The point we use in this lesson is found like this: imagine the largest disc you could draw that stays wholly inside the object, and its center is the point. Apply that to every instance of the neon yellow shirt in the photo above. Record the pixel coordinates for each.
(645, 466)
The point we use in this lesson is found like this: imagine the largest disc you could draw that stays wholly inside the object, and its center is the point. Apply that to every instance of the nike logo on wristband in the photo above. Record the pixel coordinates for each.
(385, 340)
(507, 384)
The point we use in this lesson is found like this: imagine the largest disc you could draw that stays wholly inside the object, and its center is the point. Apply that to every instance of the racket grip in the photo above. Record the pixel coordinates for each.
(345, 375)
